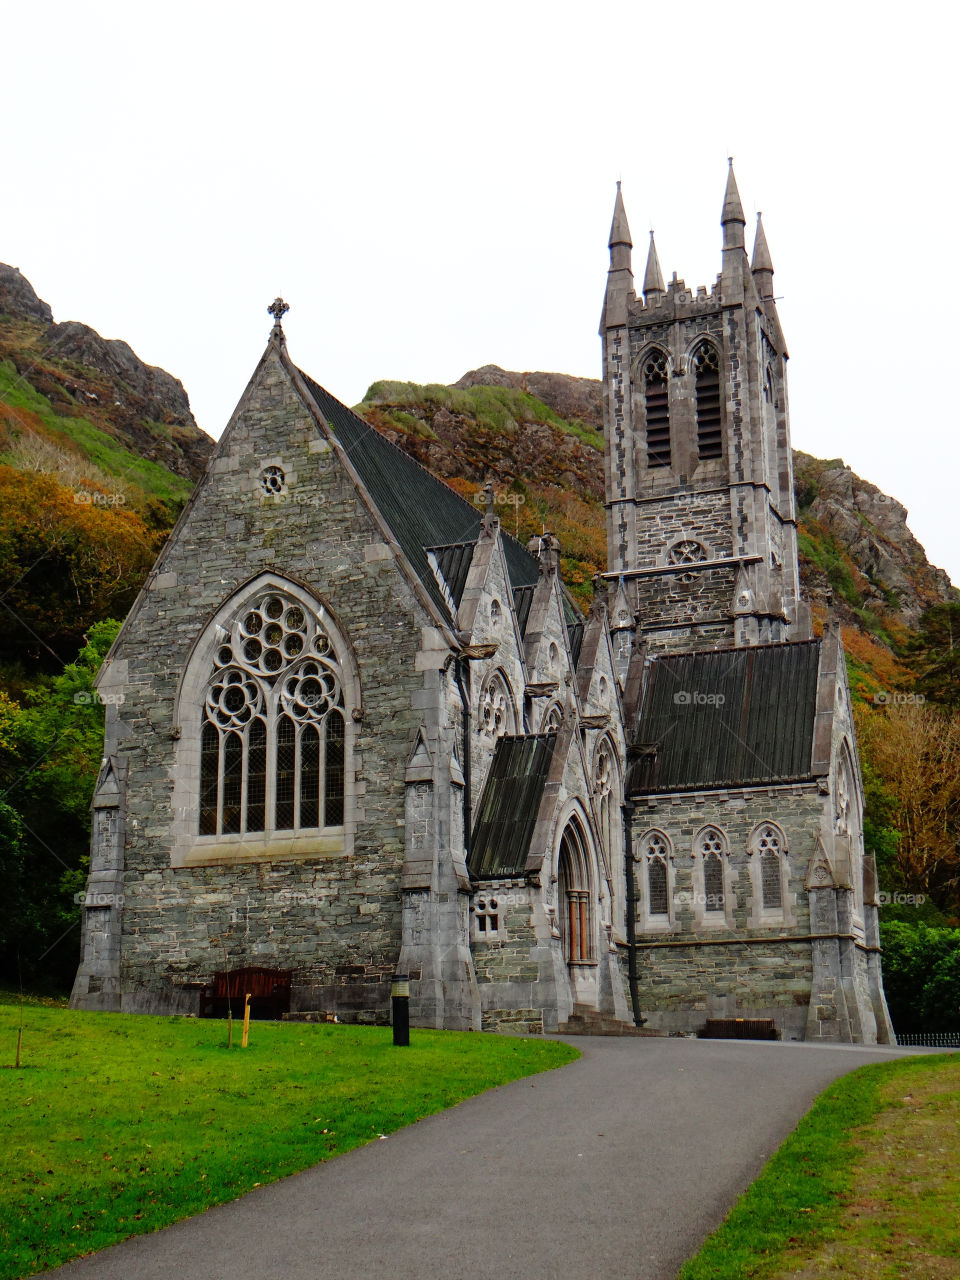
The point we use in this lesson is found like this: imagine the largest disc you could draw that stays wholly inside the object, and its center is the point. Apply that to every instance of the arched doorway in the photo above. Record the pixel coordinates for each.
(574, 905)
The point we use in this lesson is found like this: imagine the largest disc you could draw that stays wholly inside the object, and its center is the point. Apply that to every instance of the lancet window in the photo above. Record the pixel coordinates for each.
(712, 850)
(658, 903)
(771, 879)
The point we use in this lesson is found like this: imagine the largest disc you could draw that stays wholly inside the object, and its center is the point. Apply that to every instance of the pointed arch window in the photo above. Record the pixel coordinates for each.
(657, 409)
(771, 881)
(706, 370)
(496, 707)
(606, 789)
(272, 742)
(712, 850)
(574, 897)
(658, 901)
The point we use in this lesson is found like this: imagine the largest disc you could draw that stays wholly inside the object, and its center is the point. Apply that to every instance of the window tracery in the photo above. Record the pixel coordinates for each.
(658, 902)
(771, 883)
(496, 707)
(712, 847)
(272, 742)
(553, 718)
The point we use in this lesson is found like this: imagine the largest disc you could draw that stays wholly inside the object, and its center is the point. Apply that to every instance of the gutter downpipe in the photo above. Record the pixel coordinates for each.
(467, 771)
(627, 810)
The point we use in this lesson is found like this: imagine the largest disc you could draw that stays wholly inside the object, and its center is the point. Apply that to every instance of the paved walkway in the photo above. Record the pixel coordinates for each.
(616, 1166)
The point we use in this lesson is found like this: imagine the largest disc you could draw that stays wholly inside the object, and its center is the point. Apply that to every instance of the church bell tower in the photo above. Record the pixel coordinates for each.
(701, 521)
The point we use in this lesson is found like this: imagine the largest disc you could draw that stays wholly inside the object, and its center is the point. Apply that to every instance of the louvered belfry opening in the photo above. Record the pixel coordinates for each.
(657, 404)
(706, 365)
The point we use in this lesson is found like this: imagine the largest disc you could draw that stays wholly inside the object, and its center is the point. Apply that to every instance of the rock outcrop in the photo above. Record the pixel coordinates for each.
(577, 399)
(159, 395)
(17, 296)
(143, 408)
(871, 528)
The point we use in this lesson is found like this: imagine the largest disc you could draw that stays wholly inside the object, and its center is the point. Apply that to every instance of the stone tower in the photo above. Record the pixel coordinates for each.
(701, 526)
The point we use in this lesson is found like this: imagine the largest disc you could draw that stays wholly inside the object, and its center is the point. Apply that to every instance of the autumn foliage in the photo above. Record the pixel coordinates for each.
(67, 559)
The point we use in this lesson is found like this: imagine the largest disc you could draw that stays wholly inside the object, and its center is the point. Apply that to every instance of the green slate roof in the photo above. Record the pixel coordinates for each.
(509, 805)
(727, 717)
(421, 511)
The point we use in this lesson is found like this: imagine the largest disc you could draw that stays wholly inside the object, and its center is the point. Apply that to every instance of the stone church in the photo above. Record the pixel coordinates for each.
(363, 730)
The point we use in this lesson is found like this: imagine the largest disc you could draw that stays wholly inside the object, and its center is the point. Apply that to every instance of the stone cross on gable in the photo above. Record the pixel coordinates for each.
(278, 309)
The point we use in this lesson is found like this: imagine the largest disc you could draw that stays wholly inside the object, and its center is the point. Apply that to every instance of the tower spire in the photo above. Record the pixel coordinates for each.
(732, 218)
(653, 286)
(619, 231)
(762, 265)
(620, 275)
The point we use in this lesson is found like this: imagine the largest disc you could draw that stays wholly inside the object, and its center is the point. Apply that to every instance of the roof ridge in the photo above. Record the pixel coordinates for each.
(734, 648)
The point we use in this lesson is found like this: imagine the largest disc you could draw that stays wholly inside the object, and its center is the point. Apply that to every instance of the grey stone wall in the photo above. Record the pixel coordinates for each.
(335, 918)
(738, 963)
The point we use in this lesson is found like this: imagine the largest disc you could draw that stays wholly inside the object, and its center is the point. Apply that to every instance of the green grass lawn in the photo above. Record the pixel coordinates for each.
(867, 1187)
(120, 1124)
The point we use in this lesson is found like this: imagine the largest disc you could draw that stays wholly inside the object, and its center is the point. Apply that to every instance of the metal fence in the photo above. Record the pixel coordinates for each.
(931, 1040)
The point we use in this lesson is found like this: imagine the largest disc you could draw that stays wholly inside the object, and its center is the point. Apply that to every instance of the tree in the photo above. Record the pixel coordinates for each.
(51, 745)
(911, 755)
(934, 655)
(921, 976)
(64, 565)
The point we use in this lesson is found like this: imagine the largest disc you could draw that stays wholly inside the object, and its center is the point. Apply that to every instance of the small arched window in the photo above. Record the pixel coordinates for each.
(606, 788)
(656, 853)
(657, 407)
(273, 733)
(496, 707)
(771, 880)
(712, 849)
(706, 367)
(657, 886)
(553, 718)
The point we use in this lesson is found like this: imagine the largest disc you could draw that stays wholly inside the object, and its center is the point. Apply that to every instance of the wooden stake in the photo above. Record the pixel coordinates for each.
(20, 1028)
(246, 1020)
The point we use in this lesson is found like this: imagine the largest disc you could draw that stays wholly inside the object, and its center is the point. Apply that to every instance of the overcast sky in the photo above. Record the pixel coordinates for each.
(430, 187)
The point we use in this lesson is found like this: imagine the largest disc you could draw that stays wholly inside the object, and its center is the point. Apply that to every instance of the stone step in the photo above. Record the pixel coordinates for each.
(585, 1021)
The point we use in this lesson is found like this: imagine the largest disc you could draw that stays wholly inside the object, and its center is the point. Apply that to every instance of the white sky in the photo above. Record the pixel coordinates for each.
(430, 187)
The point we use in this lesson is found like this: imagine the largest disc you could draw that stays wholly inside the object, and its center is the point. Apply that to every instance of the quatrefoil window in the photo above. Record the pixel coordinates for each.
(687, 552)
(272, 480)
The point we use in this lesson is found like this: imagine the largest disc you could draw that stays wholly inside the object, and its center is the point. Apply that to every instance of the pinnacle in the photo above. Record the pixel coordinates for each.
(761, 254)
(619, 228)
(653, 276)
(732, 208)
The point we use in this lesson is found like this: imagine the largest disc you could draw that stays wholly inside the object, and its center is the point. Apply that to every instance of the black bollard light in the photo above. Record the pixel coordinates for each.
(400, 999)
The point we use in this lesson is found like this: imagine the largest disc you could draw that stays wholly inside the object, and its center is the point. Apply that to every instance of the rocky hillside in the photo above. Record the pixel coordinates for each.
(98, 453)
(81, 406)
(537, 436)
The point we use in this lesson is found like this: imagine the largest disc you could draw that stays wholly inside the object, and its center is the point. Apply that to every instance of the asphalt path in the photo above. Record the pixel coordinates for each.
(618, 1165)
